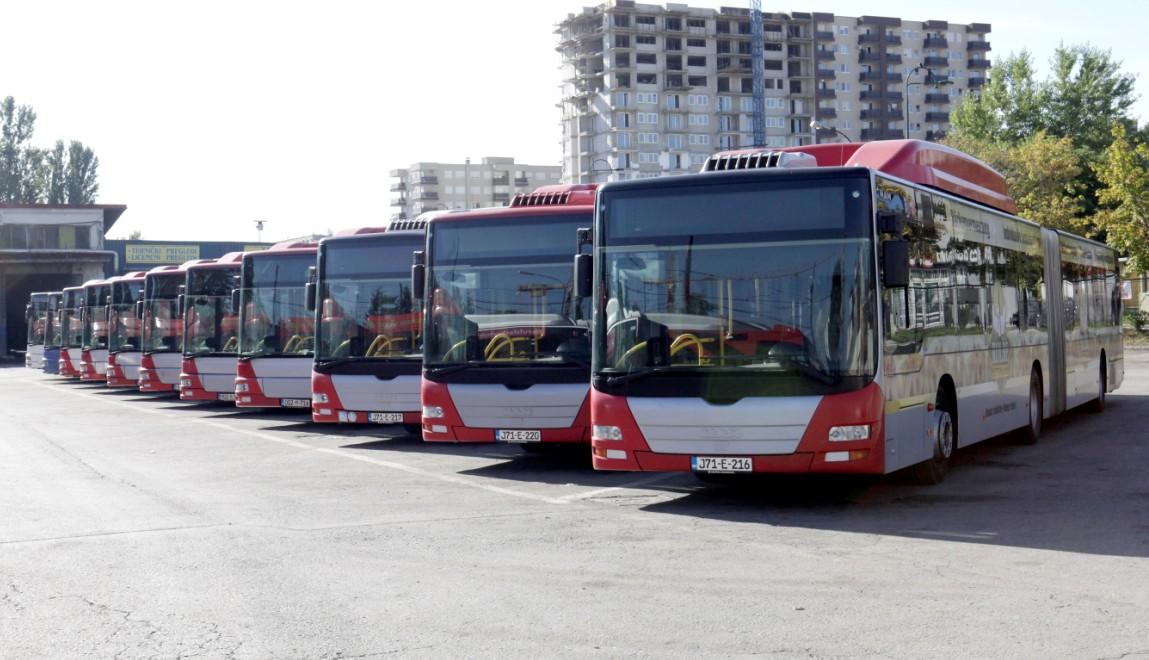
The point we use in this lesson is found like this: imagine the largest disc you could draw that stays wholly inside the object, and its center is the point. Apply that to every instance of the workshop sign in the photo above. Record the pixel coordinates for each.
(158, 254)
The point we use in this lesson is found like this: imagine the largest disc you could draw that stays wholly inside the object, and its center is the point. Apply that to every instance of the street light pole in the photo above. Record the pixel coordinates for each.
(819, 126)
(931, 79)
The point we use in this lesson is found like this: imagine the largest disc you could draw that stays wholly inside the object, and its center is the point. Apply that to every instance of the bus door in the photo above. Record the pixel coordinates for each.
(1056, 320)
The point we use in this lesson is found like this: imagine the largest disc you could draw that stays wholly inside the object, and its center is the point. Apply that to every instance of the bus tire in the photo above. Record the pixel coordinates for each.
(933, 471)
(1098, 405)
(1030, 433)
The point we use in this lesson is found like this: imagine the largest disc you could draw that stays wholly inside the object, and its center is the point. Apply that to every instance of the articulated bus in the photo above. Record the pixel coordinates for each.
(94, 352)
(72, 331)
(211, 330)
(277, 333)
(506, 355)
(163, 327)
(846, 308)
(124, 330)
(368, 327)
(53, 336)
(36, 317)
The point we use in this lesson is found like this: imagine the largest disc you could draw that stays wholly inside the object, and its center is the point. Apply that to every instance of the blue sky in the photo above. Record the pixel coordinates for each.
(208, 116)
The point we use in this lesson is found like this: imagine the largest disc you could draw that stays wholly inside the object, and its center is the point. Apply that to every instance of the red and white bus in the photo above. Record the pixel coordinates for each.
(72, 329)
(277, 333)
(163, 328)
(368, 332)
(94, 352)
(506, 355)
(53, 336)
(124, 330)
(211, 330)
(846, 308)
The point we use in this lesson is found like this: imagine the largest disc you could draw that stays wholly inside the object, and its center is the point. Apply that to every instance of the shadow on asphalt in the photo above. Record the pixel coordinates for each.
(1080, 489)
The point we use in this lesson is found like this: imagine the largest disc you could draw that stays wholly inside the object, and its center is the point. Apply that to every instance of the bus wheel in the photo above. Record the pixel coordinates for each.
(944, 437)
(1032, 431)
(1098, 405)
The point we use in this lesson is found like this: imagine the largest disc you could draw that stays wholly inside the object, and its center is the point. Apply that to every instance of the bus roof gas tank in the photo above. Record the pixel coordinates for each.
(749, 159)
(925, 163)
(577, 194)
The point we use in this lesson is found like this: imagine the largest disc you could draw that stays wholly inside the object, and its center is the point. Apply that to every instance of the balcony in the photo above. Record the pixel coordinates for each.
(397, 174)
(871, 38)
(934, 97)
(824, 35)
(825, 113)
(872, 114)
(880, 134)
(977, 45)
(879, 77)
(976, 83)
(426, 180)
(501, 198)
(936, 42)
(935, 61)
(826, 93)
(873, 56)
(503, 180)
(893, 40)
(934, 136)
(426, 196)
(521, 181)
(893, 58)
(979, 63)
(822, 54)
(826, 74)
(937, 117)
(398, 187)
(399, 201)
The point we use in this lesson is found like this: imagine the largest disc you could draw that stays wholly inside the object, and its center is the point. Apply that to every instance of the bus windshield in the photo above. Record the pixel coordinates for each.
(54, 336)
(38, 321)
(499, 292)
(212, 327)
(768, 278)
(274, 319)
(71, 324)
(123, 325)
(365, 304)
(96, 317)
(163, 329)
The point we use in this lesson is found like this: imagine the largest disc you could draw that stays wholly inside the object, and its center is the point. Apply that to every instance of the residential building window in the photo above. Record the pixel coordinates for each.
(646, 58)
(725, 104)
(674, 141)
(648, 138)
(775, 122)
(644, 20)
(725, 141)
(723, 84)
(696, 43)
(696, 60)
(698, 159)
(622, 60)
(622, 41)
(843, 30)
(697, 99)
(672, 43)
(746, 104)
(696, 81)
(747, 85)
(698, 138)
(773, 103)
(645, 39)
(622, 120)
(673, 101)
(698, 120)
(648, 158)
(843, 86)
(622, 99)
(674, 122)
(647, 78)
(647, 97)
(648, 117)
(672, 23)
(696, 22)
(842, 67)
(622, 140)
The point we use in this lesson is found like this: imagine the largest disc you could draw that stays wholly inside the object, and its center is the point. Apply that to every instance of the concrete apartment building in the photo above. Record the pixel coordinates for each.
(490, 182)
(651, 90)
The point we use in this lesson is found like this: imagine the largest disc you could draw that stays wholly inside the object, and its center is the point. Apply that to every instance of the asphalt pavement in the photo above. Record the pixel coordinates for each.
(138, 526)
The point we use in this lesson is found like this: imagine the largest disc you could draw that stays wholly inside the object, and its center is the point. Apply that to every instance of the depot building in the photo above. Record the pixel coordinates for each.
(46, 247)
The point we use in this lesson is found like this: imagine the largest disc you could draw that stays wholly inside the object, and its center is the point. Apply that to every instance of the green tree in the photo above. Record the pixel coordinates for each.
(80, 184)
(17, 124)
(1010, 106)
(1124, 195)
(1086, 96)
(56, 162)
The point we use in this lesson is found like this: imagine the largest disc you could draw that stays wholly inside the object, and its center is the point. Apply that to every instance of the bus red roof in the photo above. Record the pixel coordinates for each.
(925, 163)
(559, 199)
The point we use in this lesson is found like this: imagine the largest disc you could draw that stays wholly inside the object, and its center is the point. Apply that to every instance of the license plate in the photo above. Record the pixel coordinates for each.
(295, 403)
(385, 418)
(225, 396)
(721, 464)
(503, 435)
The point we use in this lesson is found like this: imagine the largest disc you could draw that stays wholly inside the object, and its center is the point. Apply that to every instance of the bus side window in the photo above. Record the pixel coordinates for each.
(905, 308)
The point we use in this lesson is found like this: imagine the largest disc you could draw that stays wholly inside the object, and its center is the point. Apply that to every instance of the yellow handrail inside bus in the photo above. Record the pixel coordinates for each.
(686, 339)
(378, 345)
(231, 344)
(291, 344)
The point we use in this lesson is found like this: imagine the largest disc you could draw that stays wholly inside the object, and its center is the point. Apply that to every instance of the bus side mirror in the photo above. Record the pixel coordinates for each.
(896, 264)
(583, 275)
(235, 302)
(309, 296)
(418, 275)
(181, 302)
(107, 300)
(139, 309)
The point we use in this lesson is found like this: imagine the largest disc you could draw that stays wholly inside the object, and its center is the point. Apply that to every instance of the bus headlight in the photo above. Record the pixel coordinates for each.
(849, 433)
(432, 412)
(606, 432)
(319, 397)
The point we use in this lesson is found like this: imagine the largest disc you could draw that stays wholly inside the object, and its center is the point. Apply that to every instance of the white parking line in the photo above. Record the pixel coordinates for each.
(446, 478)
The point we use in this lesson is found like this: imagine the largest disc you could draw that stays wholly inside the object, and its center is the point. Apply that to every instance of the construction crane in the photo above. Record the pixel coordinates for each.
(758, 121)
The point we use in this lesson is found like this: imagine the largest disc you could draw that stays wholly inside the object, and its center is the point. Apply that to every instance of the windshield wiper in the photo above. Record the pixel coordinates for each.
(439, 370)
(805, 369)
(631, 376)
